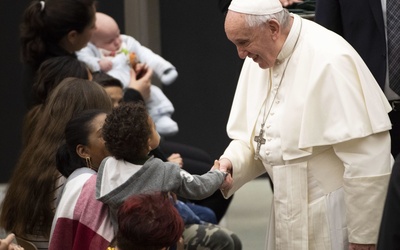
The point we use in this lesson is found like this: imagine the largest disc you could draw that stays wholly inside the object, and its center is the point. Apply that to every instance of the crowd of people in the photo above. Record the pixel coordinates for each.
(311, 110)
(63, 143)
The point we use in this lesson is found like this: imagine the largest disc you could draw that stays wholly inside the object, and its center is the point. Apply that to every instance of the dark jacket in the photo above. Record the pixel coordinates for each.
(361, 23)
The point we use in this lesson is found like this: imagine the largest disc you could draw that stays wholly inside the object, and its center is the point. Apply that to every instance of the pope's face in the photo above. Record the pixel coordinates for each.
(256, 42)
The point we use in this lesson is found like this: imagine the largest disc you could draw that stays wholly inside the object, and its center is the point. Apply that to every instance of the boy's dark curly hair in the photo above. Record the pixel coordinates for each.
(126, 132)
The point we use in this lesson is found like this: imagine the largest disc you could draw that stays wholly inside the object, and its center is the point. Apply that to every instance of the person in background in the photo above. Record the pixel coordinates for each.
(224, 4)
(389, 232)
(35, 185)
(55, 69)
(79, 215)
(365, 25)
(116, 54)
(309, 112)
(148, 222)
(53, 28)
(50, 73)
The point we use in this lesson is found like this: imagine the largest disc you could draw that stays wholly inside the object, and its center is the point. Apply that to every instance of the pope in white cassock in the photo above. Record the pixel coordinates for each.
(308, 111)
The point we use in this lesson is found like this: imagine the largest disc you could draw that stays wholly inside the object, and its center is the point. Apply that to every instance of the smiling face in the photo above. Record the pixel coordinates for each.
(259, 43)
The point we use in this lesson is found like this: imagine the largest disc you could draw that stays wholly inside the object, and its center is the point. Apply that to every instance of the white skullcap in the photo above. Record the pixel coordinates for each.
(256, 7)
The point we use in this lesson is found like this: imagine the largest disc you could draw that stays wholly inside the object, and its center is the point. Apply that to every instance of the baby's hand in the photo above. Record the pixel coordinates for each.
(105, 65)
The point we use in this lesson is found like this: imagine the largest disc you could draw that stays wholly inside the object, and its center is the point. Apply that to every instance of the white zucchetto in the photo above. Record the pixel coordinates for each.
(256, 7)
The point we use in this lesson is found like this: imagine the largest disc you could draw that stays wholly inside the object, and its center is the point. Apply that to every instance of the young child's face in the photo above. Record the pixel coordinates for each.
(107, 33)
(116, 94)
(154, 137)
(108, 39)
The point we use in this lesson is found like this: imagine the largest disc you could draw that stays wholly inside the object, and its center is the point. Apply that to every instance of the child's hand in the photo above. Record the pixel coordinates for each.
(228, 181)
(216, 165)
(105, 65)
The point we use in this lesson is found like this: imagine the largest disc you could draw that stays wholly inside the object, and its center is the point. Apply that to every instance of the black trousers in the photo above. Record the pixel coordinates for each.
(394, 116)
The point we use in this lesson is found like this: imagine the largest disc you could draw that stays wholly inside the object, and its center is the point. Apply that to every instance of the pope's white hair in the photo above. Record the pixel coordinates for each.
(257, 20)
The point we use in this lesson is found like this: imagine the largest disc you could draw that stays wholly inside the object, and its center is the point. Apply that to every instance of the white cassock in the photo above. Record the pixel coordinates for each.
(327, 147)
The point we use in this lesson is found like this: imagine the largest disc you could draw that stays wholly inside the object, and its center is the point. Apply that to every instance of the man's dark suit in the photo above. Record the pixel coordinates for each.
(361, 23)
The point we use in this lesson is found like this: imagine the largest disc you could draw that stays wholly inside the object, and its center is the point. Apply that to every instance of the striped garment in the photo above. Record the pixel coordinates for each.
(81, 222)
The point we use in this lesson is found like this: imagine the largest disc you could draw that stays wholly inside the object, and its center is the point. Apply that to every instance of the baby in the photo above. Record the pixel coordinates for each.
(116, 54)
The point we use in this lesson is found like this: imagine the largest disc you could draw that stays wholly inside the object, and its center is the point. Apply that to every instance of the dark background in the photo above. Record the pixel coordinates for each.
(192, 38)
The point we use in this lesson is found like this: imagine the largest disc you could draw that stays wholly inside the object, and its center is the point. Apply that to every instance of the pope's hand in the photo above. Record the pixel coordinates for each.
(227, 184)
(225, 165)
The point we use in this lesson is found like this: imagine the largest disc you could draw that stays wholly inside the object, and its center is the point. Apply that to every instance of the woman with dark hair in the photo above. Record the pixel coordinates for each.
(148, 222)
(50, 74)
(79, 215)
(53, 70)
(31, 197)
(53, 28)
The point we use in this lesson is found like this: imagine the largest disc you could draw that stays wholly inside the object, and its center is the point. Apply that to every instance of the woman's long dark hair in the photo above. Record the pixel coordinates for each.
(28, 206)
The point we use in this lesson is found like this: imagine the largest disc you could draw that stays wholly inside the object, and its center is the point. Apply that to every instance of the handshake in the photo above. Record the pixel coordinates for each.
(225, 167)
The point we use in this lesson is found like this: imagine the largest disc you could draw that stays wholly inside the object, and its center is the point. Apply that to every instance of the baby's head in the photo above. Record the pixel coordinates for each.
(107, 34)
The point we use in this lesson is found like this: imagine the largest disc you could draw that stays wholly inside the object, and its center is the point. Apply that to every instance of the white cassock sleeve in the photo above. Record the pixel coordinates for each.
(365, 182)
